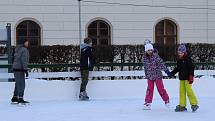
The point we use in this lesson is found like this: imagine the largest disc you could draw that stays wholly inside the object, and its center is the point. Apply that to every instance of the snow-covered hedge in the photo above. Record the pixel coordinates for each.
(202, 52)
(116, 54)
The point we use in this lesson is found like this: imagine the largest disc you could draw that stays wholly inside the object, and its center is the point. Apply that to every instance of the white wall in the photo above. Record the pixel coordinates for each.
(131, 25)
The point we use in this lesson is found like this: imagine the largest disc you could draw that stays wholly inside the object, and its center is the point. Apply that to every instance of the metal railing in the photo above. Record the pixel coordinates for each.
(65, 65)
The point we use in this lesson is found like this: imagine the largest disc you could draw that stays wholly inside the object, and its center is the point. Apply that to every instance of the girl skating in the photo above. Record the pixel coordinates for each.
(153, 65)
(186, 73)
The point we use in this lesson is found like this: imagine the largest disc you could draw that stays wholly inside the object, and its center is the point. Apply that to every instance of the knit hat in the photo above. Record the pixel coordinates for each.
(147, 41)
(149, 46)
(182, 48)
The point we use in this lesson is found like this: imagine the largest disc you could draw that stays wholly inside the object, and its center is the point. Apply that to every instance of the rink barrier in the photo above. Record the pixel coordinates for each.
(74, 74)
(66, 65)
(39, 75)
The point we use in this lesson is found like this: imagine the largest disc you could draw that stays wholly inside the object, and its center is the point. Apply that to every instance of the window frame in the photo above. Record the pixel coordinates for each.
(28, 27)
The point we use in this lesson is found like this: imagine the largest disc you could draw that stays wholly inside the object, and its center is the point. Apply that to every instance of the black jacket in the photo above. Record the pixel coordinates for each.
(185, 68)
(86, 61)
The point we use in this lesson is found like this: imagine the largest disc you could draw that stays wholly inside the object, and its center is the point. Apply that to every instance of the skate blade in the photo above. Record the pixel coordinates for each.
(181, 111)
(194, 110)
(14, 103)
(146, 108)
(84, 99)
(23, 104)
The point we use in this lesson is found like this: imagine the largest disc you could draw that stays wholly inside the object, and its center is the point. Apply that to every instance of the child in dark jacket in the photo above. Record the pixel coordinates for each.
(186, 73)
(86, 65)
(153, 66)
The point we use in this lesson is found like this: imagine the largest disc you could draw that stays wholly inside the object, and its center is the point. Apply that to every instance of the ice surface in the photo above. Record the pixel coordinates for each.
(116, 100)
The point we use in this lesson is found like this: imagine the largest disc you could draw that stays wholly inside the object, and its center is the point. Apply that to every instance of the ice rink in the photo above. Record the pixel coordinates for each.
(116, 100)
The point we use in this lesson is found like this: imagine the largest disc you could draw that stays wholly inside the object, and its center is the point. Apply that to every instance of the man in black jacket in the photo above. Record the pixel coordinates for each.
(86, 65)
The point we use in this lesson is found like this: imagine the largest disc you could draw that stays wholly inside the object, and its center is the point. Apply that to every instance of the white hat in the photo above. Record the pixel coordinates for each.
(149, 47)
(147, 41)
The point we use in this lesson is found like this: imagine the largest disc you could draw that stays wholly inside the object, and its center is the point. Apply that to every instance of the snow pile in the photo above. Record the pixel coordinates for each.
(41, 90)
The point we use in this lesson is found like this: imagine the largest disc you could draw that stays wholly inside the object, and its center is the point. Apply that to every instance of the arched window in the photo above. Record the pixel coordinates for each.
(166, 38)
(29, 30)
(100, 32)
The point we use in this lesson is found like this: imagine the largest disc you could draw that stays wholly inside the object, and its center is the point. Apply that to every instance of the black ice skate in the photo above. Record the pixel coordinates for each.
(23, 102)
(83, 96)
(14, 100)
(180, 108)
(194, 108)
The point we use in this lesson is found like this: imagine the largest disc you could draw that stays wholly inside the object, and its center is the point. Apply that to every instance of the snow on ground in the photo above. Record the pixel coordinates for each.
(125, 104)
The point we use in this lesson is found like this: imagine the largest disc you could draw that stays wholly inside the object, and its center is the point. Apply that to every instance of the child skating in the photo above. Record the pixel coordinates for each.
(153, 66)
(86, 65)
(186, 73)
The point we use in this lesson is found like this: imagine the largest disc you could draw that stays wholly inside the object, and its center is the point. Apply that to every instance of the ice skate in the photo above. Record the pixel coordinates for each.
(147, 106)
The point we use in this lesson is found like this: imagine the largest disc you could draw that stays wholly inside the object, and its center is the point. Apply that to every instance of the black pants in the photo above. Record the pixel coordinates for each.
(84, 79)
(19, 84)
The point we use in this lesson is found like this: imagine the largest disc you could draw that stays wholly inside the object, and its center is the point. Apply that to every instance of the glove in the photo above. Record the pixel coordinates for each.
(168, 73)
(91, 65)
(26, 73)
(190, 79)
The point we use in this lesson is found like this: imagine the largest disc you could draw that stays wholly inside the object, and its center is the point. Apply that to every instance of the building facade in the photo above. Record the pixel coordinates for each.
(112, 22)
